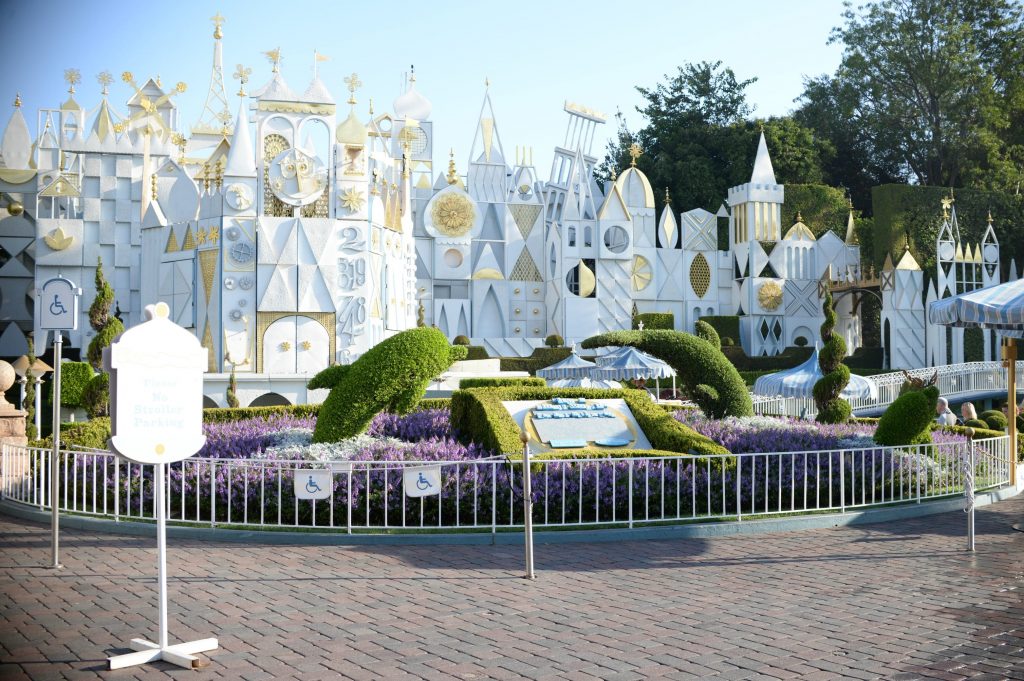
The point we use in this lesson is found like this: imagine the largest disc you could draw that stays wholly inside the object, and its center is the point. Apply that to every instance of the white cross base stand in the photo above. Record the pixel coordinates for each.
(181, 654)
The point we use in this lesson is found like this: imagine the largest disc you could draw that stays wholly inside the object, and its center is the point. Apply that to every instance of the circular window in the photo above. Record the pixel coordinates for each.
(616, 239)
(453, 258)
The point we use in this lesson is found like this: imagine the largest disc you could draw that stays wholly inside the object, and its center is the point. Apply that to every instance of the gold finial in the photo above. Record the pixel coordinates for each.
(371, 106)
(635, 152)
(127, 76)
(72, 77)
(412, 73)
(668, 199)
(217, 20)
(453, 177)
(947, 202)
(990, 217)
(242, 76)
(17, 101)
(180, 86)
(274, 56)
(799, 217)
(353, 84)
(615, 174)
(218, 175)
(179, 141)
(159, 83)
(152, 185)
(487, 82)
(104, 79)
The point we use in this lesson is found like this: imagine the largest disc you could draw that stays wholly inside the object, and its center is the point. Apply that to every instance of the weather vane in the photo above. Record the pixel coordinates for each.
(634, 153)
(72, 77)
(274, 56)
(242, 75)
(353, 84)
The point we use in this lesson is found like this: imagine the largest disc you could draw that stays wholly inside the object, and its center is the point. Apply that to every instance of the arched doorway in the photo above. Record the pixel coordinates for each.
(270, 400)
(296, 345)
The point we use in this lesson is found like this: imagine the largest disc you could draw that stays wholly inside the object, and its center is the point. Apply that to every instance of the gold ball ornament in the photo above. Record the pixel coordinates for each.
(15, 208)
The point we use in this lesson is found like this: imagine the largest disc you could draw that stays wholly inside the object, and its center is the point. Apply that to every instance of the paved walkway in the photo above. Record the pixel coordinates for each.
(901, 601)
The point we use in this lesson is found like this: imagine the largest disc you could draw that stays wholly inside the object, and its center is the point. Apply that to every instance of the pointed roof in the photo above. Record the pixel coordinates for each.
(317, 93)
(241, 160)
(16, 146)
(216, 112)
(411, 104)
(486, 135)
(667, 226)
(799, 232)
(990, 234)
(1013, 270)
(103, 124)
(276, 90)
(851, 230)
(763, 171)
(954, 223)
(907, 262)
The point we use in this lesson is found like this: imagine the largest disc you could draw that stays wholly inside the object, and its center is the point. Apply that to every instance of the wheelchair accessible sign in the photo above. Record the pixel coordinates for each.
(58, 305)
(313, 484)
(422, 481)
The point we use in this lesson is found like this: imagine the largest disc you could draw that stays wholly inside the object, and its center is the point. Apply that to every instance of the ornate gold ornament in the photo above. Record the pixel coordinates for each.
(453, 214)
(769, 295)
(641, 273)
(305, 345)
(285, 346)
(635, 152)
(58, 240)
(700, 275)
(352, 199)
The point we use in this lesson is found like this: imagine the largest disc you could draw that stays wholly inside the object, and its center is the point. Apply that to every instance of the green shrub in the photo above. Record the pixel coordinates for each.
(702, 370)
(74, 377)
(701, 329)
(975, 423)
(800, 342)
(227, 414)
(457, 353)
(106, 326)
(554, 341)
(96, 396)
(727, 341)
(541, 357)
(725, 325)
(476, 352)
(655, 320)
(480, 416)
(92, 434)
(835, 375)
(995, 419)
(908, 420)
(231, 396)
(391, 376)
(789, 358)
(514, 381)
(461, 340)
(433, 403)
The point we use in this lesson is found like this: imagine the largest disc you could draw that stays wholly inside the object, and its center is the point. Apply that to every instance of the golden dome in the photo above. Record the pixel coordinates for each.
(351, 131)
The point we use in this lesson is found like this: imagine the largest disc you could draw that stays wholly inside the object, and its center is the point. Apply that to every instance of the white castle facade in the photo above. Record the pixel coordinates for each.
(287, 239)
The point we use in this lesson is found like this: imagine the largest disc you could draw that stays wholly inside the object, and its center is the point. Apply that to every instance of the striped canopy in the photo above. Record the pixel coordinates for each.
(584, 382)
(572, 366)
(629, 363)
(799, 382)
(1000, 308)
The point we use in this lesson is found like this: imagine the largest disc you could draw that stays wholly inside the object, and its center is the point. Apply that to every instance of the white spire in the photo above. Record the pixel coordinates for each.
(241, 160)
(216, 114)
(16, 147)
(763, 171)
(486, 136)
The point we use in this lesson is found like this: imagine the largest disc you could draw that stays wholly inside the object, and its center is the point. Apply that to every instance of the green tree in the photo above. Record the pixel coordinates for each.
(931, 90)
(831, 407)
(106, 326)
(231, 397)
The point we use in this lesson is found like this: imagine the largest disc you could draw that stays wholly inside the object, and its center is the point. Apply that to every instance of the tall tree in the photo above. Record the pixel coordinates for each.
(931, 88)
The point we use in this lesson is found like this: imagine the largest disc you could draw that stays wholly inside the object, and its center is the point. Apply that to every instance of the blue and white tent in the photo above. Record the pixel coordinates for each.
(572, 366)
(799, 382)
(583, 383)
(1000, 308)
(629, 363)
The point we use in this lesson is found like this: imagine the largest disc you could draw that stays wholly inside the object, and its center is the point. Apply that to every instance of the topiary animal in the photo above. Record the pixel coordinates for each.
(908, 420)
(701, 369)
(835, 375)
(701, 329)
(391, 376)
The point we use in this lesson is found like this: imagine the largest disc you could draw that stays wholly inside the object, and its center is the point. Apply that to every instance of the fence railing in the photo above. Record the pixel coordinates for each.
(486, 494)
(954, 380)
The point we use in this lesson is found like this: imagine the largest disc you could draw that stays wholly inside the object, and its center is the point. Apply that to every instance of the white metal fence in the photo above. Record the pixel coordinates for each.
(955, 380)
(486, 494)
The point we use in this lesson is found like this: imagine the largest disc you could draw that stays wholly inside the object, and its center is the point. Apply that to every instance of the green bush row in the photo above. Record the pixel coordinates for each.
(789, 358)
(655, 320)
(541, 357)
(480, 416)
(514, 381)
(727, 326)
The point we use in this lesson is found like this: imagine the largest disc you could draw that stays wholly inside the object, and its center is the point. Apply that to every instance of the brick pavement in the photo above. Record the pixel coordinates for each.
(900, 601)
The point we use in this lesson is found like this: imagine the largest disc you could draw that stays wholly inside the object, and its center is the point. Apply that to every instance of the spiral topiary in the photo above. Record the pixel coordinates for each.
(831, 407)
(29, 405)
(106, 326)
(231, 397)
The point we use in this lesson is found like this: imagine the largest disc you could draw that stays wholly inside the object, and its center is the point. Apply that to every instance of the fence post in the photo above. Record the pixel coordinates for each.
(842, 481)
(630, 493)
(969, 489)
(739, 486)
(917, 467)
(527, 506)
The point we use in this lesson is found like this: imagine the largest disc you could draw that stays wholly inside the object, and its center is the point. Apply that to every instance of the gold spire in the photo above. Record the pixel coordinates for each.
(668, 199)
(990, 217)
(453, 177)
(799, 217)
(217, 20)
(152, 185)
(104, 79)
(487, 82)
(412, 73)
(353, 84)
(371, 106)
(72, 77)
(17, 101)
(947, 202)
(635, 152)
(274, 56)
(242, 75)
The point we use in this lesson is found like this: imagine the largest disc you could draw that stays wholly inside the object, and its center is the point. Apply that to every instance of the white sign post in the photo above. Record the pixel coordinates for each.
(156, 386)
(58, 311)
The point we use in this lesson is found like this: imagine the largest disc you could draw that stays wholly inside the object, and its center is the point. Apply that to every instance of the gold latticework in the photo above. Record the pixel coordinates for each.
(641, 273)
(208, 268)
(525, 215)
(172, 242)
(211, 365)
(453, 214)
(273, 206)
(319, 208)
(525, 268)
(700, 275)
(189, 242)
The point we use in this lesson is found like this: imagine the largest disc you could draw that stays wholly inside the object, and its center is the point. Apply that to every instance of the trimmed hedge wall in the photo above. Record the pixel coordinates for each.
(74, 377)
(655, 320)
(391, 376)
(790, 357)
(92, 434)
(482, 418)
(727, 326)
(541, 357)
(517, 381)
(701, 369)
(477, 352)
(228, 415)
(866, 358)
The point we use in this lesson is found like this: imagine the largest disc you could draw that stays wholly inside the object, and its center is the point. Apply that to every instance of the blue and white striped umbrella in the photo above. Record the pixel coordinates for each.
(629, 363)
(1000, 308)
(572, 366)
(799, 382)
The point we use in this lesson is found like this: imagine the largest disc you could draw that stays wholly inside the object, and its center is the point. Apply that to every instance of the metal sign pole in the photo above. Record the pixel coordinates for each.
(527, 508)
(161, 550)
(58, 345)
(969, 489)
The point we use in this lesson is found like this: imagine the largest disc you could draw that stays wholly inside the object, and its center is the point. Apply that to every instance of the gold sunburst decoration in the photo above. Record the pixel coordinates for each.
(58, 240)
(453, 214)
(641, 274)
(769, 295)
(352, 199)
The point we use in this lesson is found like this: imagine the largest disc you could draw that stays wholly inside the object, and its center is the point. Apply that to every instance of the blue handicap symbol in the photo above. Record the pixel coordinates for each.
(57, 307)
(312, 485)
(422, 483)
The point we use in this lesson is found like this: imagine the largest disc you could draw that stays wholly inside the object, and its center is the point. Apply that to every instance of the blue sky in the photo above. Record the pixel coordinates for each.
(535, 54)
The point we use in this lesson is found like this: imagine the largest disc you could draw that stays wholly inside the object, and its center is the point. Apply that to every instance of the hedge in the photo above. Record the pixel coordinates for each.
(481, 417)
(515, 381)
(701, 329)
(727, 326)
(655, 320)
(477, 352)
(821, 207)
(227, 414)
(701, 369)
(391, 376)
(96, 396)
(995, 419)
(866, 358)
(92, 434)
(541, 357)
(74, 377)
(789, 358)
(908, 420)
